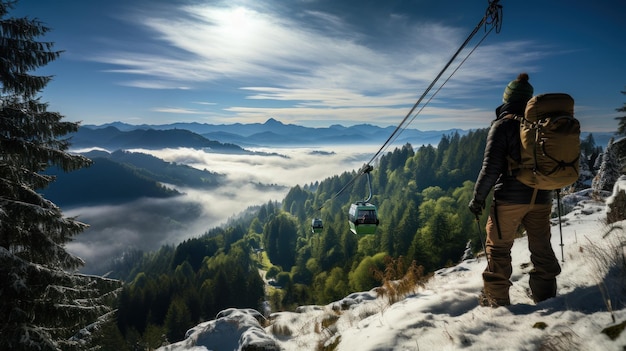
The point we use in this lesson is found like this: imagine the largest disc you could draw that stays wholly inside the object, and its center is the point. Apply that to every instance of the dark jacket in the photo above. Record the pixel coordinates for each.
(503, 140)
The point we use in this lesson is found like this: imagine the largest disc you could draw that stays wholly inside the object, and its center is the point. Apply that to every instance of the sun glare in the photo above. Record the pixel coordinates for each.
(238, 23)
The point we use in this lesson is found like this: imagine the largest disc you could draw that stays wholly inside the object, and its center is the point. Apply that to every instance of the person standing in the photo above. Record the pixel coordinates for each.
(514, 204)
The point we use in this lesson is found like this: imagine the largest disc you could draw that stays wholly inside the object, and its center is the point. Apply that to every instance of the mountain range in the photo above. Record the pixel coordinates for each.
(233, 137)
(112, 138)
(270, 133)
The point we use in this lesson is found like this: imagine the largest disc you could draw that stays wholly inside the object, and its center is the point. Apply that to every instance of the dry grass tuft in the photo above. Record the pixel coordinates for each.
(397, 280)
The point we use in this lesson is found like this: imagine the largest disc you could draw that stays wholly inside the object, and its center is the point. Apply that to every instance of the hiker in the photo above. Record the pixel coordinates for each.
(514, 204)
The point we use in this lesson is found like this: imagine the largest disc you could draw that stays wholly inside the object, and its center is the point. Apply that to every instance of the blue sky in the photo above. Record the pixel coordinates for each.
(323, 62)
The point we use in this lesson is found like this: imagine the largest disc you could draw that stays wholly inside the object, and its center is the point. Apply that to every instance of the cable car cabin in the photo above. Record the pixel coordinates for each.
(363, 218)
(317, 225)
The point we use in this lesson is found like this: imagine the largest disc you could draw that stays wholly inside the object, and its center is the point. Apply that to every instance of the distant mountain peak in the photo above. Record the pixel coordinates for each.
(273, 121)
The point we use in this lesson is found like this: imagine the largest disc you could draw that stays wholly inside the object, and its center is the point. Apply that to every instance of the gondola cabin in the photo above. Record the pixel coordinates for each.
(317, 225)
(363, 218)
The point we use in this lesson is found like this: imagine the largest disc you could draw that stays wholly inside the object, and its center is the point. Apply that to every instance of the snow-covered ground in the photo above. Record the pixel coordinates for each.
(445, 315)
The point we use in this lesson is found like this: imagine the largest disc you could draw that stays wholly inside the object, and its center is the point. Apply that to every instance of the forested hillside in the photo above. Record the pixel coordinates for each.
(104, 182)
(161, 171)
(124, 176)
(422, 198)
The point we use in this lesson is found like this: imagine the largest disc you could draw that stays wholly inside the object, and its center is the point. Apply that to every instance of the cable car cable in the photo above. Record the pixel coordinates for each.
(493, 18)
(442, 84)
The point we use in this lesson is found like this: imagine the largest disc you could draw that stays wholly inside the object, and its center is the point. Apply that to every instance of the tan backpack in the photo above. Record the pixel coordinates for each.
(550, 142)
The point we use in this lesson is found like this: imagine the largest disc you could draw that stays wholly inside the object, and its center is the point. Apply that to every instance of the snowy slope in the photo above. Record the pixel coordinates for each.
(445, 315)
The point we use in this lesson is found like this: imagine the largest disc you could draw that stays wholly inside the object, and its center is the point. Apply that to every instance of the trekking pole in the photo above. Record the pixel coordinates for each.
(558, 207)
(482, 242)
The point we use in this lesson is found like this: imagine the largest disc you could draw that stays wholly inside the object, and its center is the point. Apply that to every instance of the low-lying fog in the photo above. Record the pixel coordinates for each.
(149, 224)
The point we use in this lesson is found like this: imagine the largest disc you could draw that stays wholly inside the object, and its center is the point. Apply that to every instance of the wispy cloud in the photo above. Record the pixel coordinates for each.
(175, 110)
(206, 42)
(312, 62)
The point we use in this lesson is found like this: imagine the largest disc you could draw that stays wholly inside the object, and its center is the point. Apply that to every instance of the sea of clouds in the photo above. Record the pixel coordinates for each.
(148, 224)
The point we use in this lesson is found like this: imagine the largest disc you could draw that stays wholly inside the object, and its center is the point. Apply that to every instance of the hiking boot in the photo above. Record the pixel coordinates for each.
(542, 289)
(488, 301)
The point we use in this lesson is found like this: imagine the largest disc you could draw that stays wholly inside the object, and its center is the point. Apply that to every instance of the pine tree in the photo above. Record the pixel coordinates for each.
(42, 303)
(591, 153)
(609, 170)
(178, 320)
(585, 173)
(621, 128)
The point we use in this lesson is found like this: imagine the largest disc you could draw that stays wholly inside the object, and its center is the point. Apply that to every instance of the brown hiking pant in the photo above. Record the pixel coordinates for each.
(501, 232)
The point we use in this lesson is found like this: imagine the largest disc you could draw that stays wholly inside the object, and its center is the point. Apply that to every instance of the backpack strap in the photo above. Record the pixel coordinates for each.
(512, 164)
(515, 165)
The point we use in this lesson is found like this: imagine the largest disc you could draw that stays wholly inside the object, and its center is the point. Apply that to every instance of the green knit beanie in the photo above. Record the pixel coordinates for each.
(518, 90)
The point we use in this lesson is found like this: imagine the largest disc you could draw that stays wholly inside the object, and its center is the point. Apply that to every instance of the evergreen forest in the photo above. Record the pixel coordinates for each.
(422, 198)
